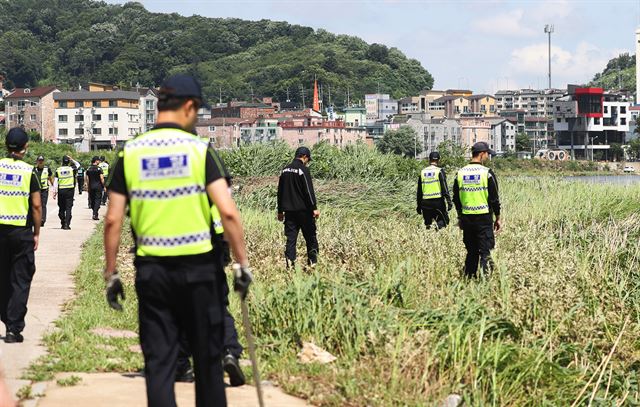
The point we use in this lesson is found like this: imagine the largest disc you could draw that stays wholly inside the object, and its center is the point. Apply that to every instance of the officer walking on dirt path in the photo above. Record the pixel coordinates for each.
(95, 186)
(64, 190)
(297, 207)
(433, 199)
(475, 195)
(162, 173)
(20, 217)
(46, 179)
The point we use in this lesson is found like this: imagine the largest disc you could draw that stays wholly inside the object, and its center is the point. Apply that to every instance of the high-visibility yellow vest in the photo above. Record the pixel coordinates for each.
(15, 187)
(105, 169)
(44, 179)
(216, 218)
(430, 177)
(473, 186)
(165, 175)
(66, 178)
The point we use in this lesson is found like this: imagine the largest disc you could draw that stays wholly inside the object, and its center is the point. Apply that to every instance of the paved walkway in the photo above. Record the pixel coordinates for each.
(57, 257)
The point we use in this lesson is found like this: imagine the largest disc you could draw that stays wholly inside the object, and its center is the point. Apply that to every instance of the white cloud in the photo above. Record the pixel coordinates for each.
(509, 23)
(577, 66)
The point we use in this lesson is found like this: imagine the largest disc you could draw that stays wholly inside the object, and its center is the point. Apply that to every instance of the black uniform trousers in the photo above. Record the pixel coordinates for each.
(80, 185)
(44, 198)
(479, 240)
(293, 222)
(65, 204)
(95, 197)
(17, 266)
(175, 297)
(434, 210)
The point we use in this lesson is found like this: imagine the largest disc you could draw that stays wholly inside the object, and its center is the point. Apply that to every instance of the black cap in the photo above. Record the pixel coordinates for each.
(434, 155)
(94, 159)
(101, 158)
(303, 151)
(40, 158)
(481, 147)
(17, 138)
(65, 160)
(183, 86)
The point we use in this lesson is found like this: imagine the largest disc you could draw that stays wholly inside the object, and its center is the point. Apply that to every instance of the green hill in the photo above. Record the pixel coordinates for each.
(66, 42)
(620, 73)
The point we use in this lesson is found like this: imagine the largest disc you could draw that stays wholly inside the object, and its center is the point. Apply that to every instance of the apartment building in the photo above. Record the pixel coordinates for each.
(380, 107)
(503, 135)
(474, 130)
(355, 116)
(148, 108)
(432, 131)
(99, 118)
(588, 120)
(483, 105)
(32, 109)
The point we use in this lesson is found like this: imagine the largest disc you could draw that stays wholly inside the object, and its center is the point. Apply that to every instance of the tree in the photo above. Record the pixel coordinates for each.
(634, 148)
(402, 142)
(616, 151)
(523, 142)
(452, 155)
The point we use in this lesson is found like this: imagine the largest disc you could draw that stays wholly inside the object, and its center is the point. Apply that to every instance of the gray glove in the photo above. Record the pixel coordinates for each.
(115, 289)
(242, 279)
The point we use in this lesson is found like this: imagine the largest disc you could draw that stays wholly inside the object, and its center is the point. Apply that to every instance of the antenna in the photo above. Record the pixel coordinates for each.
(329, 85)
(288, 99)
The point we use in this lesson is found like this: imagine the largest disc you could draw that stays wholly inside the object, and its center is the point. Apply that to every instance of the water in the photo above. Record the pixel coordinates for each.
(607, 179)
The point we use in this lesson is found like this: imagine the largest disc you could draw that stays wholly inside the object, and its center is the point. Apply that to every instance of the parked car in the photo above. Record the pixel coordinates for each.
(629, 168)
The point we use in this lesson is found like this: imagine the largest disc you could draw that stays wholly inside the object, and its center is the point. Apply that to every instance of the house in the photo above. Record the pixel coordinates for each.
(32, 109)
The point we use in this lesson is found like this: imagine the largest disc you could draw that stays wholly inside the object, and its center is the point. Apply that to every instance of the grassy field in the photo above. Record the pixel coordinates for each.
(556, 324)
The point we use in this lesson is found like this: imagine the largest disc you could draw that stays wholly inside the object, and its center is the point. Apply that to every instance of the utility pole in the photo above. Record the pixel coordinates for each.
(548, 29)
(288, 99)
(304, 105)
(348, 98)
(220, 95)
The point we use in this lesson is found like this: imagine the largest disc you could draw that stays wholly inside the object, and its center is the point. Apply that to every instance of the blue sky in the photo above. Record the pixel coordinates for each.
(482, 45)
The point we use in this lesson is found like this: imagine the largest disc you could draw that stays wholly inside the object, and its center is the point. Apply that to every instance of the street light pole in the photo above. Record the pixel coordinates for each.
(548, 29)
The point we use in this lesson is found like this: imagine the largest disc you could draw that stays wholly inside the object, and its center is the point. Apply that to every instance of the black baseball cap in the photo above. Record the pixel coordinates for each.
(65, 160)
(434, 155)
(183, 86)
(481, 147)
(303, 151)
(40, 158)
(17, 138)
(95, 158)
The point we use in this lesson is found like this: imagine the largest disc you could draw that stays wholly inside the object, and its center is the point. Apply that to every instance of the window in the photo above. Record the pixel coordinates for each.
(113, 117)
(33, 117)
(33, 103)
(492, 108)
(62, 118)
(150, 104)
(113, 103)
(63, 132)
(212, 128)
(97, 131)
(113, 131)
(10, 104)
(301, 141)
(557, 108)
(20, 104)
(79, 118)
(95, 103)
(623, 109)
(596, 120)
(559, 120)
(79, 103)
(623, 121)
(151, 118)
(299, 131)
(606, 109)
(62, 104)
(79, 132)
(97, 117)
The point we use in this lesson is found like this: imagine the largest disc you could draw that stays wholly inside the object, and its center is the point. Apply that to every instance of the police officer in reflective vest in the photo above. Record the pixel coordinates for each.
(475, 195)
(104, 166)
(434, 201)
(66, 181)
(169, 179)
(20, 217)
(232, 348)
(46, 179)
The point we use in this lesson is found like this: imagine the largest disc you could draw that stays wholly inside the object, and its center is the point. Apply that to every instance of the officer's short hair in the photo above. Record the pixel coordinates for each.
(172, 103)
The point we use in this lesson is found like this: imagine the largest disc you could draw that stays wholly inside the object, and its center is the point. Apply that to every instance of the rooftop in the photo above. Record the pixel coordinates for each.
(86, 95)
(20, 93)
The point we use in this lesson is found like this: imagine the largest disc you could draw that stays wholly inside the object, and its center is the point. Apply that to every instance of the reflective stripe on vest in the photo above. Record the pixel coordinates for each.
(473, 186)
(216, 218)
(65, 177)
(44, 179)
(105, 169)
(165, 175)
(431, 188)
(15, 187)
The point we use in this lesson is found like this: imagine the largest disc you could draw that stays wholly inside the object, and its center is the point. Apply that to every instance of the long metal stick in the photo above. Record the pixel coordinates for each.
(252, 349)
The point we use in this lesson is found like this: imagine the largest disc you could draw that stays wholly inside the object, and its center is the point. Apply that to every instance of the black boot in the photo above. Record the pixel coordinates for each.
(13, 337)
(231, 365)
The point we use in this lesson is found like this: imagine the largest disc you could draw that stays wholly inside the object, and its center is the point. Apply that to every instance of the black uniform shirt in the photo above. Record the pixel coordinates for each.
(93, 173)
(494, 201)
(295, 189)
(437, 202)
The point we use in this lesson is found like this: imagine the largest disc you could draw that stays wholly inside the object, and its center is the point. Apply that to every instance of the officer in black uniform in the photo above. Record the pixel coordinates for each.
(297, 207)
(95, 185)
(177, 291)
(66, 186)
(46, 179)
(80, 178)
(20, 217)
(104, 165)
(434, 208)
